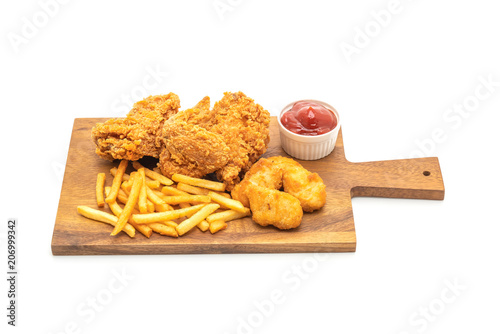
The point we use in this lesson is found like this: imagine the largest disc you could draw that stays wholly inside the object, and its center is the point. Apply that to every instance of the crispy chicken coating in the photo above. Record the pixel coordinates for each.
(226, 139)
(235, 121)
(262, 183)
(307, 187)
(273, 207)
(135, 136)
(245, 128)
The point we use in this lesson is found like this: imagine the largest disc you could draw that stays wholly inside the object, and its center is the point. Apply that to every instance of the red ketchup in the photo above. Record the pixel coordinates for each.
(309, 119)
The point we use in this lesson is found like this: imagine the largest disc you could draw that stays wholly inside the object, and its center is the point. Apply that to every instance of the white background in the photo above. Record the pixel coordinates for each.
(392, 94)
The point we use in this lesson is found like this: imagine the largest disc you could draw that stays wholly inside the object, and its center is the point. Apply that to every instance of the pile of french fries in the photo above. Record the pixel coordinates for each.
(153, 203)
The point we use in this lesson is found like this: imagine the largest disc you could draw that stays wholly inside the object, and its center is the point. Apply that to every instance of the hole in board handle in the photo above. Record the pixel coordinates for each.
(427, 173)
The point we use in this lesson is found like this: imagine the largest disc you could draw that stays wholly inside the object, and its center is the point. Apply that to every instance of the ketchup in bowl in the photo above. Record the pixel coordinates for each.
(309, 119)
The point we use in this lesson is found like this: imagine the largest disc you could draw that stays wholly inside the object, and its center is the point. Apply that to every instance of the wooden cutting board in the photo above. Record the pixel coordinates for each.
(330, 229)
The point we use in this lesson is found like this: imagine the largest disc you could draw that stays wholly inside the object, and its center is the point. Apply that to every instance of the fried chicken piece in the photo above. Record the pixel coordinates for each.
(200, 114)
(245, 128)
(307, 187)
(230, 138)
(273, 207)
(135, 136)
(189, 148)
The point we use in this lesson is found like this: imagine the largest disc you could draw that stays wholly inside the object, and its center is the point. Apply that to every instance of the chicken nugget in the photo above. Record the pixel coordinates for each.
(273, 207)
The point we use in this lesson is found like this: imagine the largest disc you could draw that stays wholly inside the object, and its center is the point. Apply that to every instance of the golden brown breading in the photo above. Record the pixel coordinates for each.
(273, 207)
(135, 136)
(226, 139)
(261, 184)
(307, 187)
(263, 173)
(245, 128)
(235, 121)
(191, 150)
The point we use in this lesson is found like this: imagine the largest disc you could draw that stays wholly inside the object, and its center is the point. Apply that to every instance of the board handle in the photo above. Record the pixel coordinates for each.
(406, 178)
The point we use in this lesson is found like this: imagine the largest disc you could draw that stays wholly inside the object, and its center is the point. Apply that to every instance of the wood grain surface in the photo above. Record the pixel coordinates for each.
(330, 229)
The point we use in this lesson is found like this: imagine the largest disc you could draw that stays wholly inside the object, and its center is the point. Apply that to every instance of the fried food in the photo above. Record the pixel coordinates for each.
(129, 206)
(147, 210)
(227, 139)
(307, 187)
(99, 187)
(203, 225)
(197, 218)
(217, 225)
(245, 128)
(263, 173)
(215, 186)
(227, 202)
(143, 197)
(152, 174)
(104, 217)
(117, 210)
(117, 181)
(276, 172)
(228, 215)
(157, 217)
(135, 136)
(273, 207)
(189, 148)
(303, 191)
(164, 229)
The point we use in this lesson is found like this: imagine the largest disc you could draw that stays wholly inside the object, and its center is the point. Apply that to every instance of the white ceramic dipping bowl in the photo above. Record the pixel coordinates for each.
(308, 147)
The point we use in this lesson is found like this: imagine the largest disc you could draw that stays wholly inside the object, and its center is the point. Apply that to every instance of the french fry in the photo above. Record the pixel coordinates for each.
(99, 188)
(217, 225)
(114, 170)
(122, 196)
(171, 191)
(203, 225)
(159, 194)
(226, 195)
(153, 197)
(117, 181)
(157, 217)
(150, 206)
(153, 184)
(192, 189)
(217, 186)
(195, 219)
(173, 200)
(143, 197)
(131, 202)
(104, 217)
(127, 185)
(197, 191)
(170, 223)
(117, 210)
(163, 207)
(164, 229)
(228, 215)
(184, 205)
(153, 175)
(227, 202)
